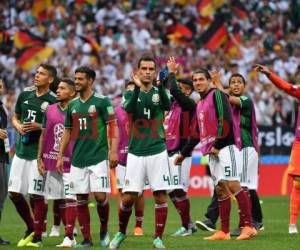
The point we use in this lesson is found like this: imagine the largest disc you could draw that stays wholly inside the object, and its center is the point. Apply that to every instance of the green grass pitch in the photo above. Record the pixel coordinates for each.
(275, 235)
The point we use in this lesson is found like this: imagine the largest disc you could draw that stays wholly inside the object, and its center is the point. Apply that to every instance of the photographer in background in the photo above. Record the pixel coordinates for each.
(4, 149)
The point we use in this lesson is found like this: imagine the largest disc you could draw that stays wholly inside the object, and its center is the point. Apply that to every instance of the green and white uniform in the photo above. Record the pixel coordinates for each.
(249, 173)
(147, 155)
(88, 121)
(24, 176)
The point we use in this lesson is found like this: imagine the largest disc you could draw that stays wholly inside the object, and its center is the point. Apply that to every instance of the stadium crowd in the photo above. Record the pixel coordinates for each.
(122, 30)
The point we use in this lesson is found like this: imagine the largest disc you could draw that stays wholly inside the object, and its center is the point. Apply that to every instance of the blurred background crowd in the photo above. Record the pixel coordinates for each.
(226, 35)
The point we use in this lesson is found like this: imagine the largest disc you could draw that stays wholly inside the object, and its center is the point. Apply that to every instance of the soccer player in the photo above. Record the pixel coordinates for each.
(177, 132)
(57, 184)
(4, 149)
(90, 120)
(216, 138)
(147, 155)
(123, 125)
(24, 176)
(294, 164)
(243, 114)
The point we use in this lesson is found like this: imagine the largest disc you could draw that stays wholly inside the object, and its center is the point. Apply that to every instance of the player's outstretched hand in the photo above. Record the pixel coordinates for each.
(216, 78)
(179, 159)
(262, 69)
(41, 167)
(20, 129)
(31, 126)
(3, 134)
(60, 165)
(136, 79)
(172, 65)
(113, 159)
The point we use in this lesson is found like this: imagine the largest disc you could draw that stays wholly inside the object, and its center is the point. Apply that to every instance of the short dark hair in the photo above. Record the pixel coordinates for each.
(237, 75)
(186, 81)
(68, 81)
(147, 58)
(91, 74)
(50, 68)
(202, 71)
(127, 83)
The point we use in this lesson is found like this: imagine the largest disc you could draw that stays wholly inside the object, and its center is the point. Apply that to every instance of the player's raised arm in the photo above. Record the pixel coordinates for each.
(165, 100)
(278, 82)
(184, 101)
(130, 97)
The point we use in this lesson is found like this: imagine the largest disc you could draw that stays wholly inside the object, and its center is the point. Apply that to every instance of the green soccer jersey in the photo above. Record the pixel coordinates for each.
(31, 107)
(88, 121)
(146, 114)
(246, 114)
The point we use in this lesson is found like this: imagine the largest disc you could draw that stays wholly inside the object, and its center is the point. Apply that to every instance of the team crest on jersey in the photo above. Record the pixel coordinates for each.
(92, 109)
(126, 182)
(71, 184)
(44, 106)
(155, 98)
(73, 111)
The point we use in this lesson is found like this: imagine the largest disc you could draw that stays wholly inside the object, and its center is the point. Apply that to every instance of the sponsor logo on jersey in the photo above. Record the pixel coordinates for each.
(155, 98)
(92, 109)
(26, 102)
(44, 106)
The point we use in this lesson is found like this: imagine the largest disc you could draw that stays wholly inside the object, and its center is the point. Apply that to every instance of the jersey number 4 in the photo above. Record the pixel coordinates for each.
(147, 113)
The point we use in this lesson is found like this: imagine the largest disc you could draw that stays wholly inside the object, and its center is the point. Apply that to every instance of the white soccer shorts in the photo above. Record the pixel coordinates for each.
(95, 178)
(154, 168)
(226, 166)
(24, 177)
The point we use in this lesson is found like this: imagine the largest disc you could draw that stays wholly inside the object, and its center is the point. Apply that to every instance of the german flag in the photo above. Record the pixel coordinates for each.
(28, 58)
(239, 9)
(208, 8)
(94, 44)
(180, 34)
(79, 3)
(24, 38)
(40, 9)
(215, 35)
